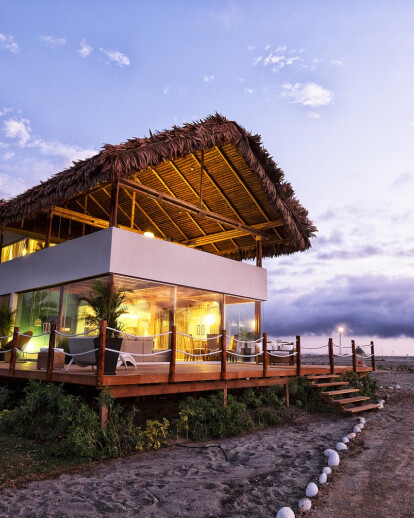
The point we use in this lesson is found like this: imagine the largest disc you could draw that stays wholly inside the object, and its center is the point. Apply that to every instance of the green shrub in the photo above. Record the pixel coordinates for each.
(367, 385)
(4, 398)
(306, 397)
(203, 418)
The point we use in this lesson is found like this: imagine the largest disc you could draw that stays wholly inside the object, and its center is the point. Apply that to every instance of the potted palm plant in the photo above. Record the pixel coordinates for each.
(7, 318)
(107, 303)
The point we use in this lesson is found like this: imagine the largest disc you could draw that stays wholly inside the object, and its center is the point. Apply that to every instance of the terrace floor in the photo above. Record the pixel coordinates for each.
(152, 378)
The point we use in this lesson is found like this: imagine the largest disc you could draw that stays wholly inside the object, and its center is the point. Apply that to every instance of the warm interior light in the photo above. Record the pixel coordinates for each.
(149, 234)
(24, 251)
(210, 319)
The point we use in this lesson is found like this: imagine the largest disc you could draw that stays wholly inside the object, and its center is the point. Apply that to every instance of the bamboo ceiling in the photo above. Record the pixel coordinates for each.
(209, 185)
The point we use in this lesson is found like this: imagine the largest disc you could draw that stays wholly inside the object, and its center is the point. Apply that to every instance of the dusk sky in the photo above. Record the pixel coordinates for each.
(327, 84)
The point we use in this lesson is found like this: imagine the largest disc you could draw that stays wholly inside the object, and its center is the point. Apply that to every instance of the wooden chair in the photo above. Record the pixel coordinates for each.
(22, 343)
(234, 342)
(213, 344)
(189, 349)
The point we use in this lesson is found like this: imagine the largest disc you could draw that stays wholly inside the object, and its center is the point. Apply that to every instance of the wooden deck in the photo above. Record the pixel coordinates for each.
(154, 378)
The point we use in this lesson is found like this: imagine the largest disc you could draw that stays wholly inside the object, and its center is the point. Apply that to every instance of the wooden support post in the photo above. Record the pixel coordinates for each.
(298, 357)
(103, 415)
(200, 201)
(13, 351)
(225, 396)
(173, 347)
(354, 358)
(259, 254)
(373, 356)
(265, 355)
(51, 351)
(223, 357)
(331, 355)
(48, 233)
(1, 242)
(287, 397)
(113, 216)
(101, 353)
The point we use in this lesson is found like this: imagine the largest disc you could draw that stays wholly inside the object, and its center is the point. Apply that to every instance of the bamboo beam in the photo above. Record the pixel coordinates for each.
(173, 194)
(166, 213)
(48, 233)
(177, 202)
(143, 212)
(100, 206)
(114, 204)
(242, 182)
(228, 234)
(35, 235)
(105, 190)
(258, 252)
(248, 248)
(81, 218)
(204, 205)
(218, 188)
(134, 194)
(200, 197)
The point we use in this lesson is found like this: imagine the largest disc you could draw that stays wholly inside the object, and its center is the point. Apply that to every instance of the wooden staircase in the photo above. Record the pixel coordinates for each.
(345, 405)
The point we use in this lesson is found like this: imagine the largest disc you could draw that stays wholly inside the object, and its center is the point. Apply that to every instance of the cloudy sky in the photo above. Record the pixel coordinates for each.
(328, 85)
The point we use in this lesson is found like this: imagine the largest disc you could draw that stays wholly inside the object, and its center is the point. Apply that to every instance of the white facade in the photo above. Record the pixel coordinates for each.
(126, 253)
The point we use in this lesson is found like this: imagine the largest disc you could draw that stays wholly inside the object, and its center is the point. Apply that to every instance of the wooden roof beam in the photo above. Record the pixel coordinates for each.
(173, 194)
(193, 209)
(204, 204)
(141, 210)
(229, 234)
(245, 186)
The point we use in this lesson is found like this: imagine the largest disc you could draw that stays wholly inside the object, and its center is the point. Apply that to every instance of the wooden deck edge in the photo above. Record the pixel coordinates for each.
(180, 388)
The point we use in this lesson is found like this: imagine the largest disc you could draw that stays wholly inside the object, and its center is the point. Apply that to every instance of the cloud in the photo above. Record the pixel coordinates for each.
(250, 47)
(308, 94)
(11, 185)
(114, 55)
(166, 90)
(207, 79)
(66, 151)
(8, 155)
(53, 42)
(313, 115)
(336, 62)
(370, 306)
(85, 49)
(20, 131)
(257, 60)
(249, 90)
(411, 123)
(9, 43)
(403, 179)
(17, 129)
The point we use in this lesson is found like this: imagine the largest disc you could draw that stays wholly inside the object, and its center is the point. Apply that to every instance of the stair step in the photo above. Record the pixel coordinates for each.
(330, 384)
(351, 400)
(363, 408)
(321, 377)
(338, 392)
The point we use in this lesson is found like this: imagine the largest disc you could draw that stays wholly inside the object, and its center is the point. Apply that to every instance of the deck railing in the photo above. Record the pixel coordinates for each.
(357, 358)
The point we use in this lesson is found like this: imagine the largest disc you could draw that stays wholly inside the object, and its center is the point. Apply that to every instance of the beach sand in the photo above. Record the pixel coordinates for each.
(266, 470)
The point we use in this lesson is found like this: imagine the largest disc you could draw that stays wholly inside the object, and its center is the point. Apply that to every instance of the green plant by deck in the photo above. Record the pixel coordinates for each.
(46, 413)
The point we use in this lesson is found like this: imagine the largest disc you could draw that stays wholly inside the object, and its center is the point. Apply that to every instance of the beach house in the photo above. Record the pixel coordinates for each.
(170, 218)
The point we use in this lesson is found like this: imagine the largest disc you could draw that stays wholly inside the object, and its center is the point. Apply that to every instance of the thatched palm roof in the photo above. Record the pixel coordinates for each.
(242, 181)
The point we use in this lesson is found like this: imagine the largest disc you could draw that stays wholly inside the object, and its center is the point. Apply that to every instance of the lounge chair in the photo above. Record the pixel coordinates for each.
(22, 343)
(234, 342)
(213, 344)
(82, 345)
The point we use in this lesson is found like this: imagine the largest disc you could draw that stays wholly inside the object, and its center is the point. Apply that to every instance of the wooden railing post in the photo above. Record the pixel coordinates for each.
(373, 355)
(13, 351)
(101, 353)
(354, 358)
(331, 355)
(265, 355)
(223, 355)
(173, 347)
(298, 357)
(51, 352)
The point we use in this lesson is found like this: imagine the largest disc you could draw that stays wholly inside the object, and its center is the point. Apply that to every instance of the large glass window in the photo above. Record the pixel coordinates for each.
(240, 318)
(21, 248)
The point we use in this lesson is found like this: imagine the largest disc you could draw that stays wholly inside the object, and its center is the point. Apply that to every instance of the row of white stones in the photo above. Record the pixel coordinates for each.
(305, 504)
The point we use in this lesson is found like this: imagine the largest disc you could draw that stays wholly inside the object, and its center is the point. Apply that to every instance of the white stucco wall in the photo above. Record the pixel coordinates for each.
(121, 252)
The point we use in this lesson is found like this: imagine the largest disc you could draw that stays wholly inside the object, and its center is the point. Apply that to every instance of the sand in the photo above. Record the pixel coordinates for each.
(265, 470)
